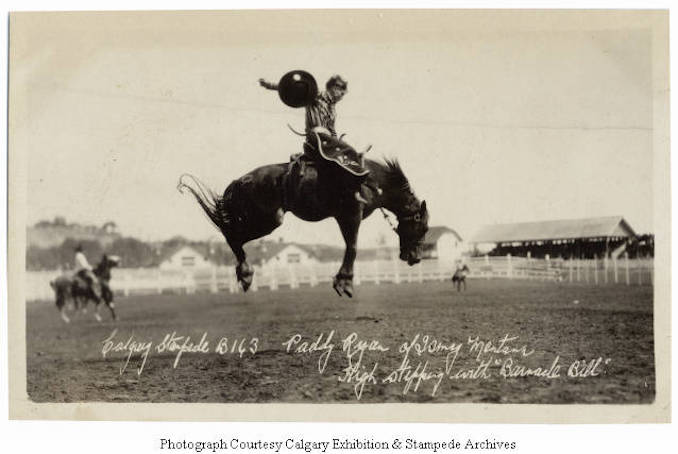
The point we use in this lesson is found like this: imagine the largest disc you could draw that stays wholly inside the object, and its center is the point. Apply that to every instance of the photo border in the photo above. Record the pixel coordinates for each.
(659, 411)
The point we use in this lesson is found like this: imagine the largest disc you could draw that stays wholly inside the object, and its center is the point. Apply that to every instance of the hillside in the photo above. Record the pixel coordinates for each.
(47, 234)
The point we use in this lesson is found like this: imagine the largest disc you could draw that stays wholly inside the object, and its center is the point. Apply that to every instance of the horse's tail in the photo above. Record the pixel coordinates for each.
(60, 287)
(208, 199)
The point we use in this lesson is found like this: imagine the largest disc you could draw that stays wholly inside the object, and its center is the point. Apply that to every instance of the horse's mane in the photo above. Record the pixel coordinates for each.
(100, 266)
(394, 174)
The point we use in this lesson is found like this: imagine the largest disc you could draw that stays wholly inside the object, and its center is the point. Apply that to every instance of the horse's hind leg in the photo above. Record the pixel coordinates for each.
(265, 224)
(64, 317)
(61, 305)
(243, 271)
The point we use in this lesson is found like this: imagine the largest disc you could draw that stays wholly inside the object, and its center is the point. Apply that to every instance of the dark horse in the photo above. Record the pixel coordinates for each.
(77, 288)
(254, 205)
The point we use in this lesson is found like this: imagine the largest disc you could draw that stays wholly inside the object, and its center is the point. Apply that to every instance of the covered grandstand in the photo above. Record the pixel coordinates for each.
(571, 238)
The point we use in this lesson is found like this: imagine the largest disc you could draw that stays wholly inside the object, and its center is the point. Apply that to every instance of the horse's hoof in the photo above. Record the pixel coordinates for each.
(65, 318)
(245, 283)
(343, 286)
(97, 317)
(244, 274)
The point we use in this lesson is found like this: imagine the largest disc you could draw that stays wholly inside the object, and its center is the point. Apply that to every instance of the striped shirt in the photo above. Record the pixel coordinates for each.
(321, 112)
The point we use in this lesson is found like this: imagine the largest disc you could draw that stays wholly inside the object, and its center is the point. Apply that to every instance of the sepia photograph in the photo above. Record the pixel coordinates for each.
(456, 209)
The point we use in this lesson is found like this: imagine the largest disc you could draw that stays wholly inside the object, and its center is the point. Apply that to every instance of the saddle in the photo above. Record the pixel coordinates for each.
(328, 165)
(324, 147)
(86, 280)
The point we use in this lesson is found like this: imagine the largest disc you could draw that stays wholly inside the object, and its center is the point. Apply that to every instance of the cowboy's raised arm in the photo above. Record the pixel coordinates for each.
(268, 85)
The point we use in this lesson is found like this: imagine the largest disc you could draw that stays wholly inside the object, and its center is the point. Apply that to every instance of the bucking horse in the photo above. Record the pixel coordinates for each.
(77, 289)
(255, 204)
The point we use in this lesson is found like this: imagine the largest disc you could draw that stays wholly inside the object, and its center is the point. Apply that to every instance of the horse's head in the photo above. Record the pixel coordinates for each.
(411, 230)
(108, 262)
(112, 260)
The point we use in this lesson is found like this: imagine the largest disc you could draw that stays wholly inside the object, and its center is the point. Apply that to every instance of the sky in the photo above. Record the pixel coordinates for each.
(494, 119)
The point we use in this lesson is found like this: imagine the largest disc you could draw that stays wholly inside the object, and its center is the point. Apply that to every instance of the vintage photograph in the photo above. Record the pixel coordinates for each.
(340, 208)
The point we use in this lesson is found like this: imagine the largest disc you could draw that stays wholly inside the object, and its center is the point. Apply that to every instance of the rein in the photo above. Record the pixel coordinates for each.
(388, 219)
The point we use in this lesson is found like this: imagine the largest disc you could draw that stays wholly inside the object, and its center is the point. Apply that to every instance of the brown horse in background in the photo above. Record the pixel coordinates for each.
(254, 205)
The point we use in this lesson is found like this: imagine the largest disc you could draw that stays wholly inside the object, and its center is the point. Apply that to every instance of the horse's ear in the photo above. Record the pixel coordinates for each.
(423, 206)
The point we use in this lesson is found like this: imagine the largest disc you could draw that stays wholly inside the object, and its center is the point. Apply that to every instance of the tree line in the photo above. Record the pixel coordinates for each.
(134, 253)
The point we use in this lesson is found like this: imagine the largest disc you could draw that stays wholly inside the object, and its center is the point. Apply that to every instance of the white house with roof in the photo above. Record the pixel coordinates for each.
(287, 255)
(184, 257)
(443, 243)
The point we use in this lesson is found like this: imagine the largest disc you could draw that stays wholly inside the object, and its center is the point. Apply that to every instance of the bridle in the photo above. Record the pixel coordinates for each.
(416, 217)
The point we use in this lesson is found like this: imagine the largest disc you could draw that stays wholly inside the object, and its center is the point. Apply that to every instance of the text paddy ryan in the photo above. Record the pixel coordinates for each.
(337, 444)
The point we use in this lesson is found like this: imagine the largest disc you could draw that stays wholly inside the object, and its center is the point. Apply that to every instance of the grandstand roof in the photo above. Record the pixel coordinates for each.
(611, 226)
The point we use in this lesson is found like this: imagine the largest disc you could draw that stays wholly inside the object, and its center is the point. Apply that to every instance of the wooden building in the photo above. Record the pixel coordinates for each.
(569, 238)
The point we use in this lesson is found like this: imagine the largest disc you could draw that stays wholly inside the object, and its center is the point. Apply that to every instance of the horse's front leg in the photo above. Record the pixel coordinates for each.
(97, 317)
(349, 225)
(78, 306)
(107, 295)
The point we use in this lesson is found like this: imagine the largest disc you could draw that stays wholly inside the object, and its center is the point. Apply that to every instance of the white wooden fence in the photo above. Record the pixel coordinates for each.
(137, 281)
(621, 270)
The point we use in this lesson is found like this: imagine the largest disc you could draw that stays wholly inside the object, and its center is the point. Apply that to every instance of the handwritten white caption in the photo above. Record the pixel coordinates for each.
(178, 345)
(416, 356)
(421, 360)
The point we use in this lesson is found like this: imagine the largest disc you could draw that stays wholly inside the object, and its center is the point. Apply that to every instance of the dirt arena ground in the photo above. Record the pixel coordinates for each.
(562, 343)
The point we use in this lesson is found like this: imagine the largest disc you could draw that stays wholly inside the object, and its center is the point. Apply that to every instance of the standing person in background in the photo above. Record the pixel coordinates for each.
(459, 277)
